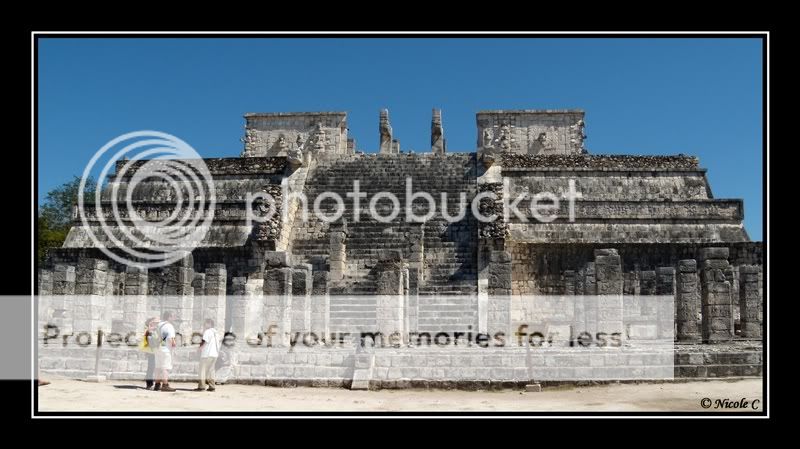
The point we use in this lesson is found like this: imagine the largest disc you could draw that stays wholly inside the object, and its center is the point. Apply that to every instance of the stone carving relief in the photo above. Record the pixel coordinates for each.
(497, 229)
(486, 142)
(578, 136)
(437, 133)
(280, 146)
(498, 139)
(251, 142)
(385, 129)
(504, 141)
(268, 231)
(539, 144)
(319, 139)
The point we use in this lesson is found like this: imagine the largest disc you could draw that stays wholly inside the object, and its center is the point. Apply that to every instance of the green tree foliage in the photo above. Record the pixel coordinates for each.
(55, 215)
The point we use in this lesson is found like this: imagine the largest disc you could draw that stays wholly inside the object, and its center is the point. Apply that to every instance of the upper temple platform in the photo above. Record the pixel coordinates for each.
(525, 131)
(624, 198)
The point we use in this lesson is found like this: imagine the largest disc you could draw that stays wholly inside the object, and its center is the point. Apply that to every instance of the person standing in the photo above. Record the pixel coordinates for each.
(209, 351)
(166, 332)
(153, 341)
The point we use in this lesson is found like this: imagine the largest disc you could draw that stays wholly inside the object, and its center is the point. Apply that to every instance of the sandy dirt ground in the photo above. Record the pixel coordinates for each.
(74, 395)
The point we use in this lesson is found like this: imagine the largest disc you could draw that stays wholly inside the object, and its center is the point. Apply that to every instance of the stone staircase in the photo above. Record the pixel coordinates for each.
(450, 251)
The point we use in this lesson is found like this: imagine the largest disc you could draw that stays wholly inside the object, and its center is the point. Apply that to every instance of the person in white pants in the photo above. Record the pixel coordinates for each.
(209, 351)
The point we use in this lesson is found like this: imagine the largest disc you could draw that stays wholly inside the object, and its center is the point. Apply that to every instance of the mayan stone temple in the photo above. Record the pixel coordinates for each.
(645, 251)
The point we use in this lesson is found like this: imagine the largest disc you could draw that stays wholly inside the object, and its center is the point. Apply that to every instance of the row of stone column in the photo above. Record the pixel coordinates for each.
(703, 301)
(280, 303)
(87, 297)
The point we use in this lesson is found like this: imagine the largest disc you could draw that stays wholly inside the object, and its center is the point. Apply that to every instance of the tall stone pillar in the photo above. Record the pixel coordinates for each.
(179, 296)
(63, 298)
(214, 301)
(386, 146)
(498, 318)
(278, 306)
(688, 302)
(44, 309)
(569, 282)
(609, 284)
(750, 300)
(337, 258)
(665, 288)
(90, 312)
(237, 309)
(717, 321)
(416, 253)
(113, 312)
(134, 302)
(648, 283)
(254, 307)
(389, 298)
(416, 275)
(320, 306)
(630, 285)
(437, 133)
(198, 306)
(302, 284)
(587, 306)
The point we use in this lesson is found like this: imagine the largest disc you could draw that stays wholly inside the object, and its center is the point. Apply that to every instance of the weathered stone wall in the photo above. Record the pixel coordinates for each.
(154, 199)
(601, 162)
(616, 185)
(531, 132)
(273, 134)
(468, 368)
(540, 268)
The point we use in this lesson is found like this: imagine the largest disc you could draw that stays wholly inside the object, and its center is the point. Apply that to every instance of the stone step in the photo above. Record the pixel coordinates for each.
(449, 329)
(446, 290)
(441, 322)
(444, 307)
(351, 322)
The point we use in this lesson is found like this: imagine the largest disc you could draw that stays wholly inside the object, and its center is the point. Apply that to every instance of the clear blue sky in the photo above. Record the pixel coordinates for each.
(642, 96)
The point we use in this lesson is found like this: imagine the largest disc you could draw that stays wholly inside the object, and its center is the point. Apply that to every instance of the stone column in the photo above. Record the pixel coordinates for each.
(437, 133)
(608, 273)
(586, 307)
(750, 300)
(44, 309)
(337, 259)
(648, 286)
(630, 285)
(215, 296)
(113, 313)
(688, 302)
(254, 307)
(278, 305)
(134, 303)
(320, 306)
(237, 306)
(90, 312)
(569, 282)
(389, 298)
(665, 288)
(179, 297)
(302, 284)
(63, 298)
(416, 257)
(198, 306)
(717, 321)
(498, 318)
(648, 283)
(386, 145)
